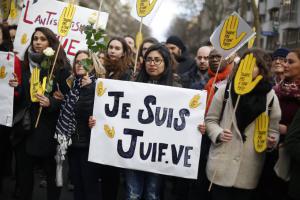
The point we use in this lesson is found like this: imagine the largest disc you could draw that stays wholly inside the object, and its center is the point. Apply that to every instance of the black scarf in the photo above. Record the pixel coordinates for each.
(251, 105)
(66, 124)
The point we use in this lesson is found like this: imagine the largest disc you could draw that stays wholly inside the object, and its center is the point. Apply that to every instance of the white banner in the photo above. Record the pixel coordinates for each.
(147, 8)
(147, 127)
(46, 13)
(231, 35)
(6, 92)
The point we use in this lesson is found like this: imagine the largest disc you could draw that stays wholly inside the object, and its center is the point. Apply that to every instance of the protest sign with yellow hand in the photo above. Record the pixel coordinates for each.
(5, 8)
(229, 35)
(13, 10)
(138, 39)
(251, 41)
(261, 132)
(243, 81)
(35, 85)
(144, 7)
(100, 89)
(3, 72)
(65, 20)
(110, 132)
(195, 101)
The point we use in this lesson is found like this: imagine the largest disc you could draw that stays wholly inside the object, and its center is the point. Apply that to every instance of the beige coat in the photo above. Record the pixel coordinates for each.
(237, 164)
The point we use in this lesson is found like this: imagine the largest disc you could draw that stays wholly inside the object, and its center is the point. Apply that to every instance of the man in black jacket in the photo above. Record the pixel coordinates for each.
(179, 50)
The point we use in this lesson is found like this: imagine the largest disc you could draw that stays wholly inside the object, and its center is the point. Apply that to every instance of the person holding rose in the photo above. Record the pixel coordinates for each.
(38, 143)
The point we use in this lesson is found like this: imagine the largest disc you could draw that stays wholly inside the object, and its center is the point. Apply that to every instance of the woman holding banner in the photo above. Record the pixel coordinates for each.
(5, 143)
(38, 144)
(237, 152)
(156, 69)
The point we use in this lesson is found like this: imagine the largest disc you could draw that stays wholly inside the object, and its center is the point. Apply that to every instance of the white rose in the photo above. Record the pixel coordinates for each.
(49, 51)
(92, 18)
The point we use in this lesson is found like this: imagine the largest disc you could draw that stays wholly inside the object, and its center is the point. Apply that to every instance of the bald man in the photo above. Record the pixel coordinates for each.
(197, 77)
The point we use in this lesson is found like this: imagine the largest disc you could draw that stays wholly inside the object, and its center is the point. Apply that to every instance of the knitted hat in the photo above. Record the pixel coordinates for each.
(281, 52)
(176, 41)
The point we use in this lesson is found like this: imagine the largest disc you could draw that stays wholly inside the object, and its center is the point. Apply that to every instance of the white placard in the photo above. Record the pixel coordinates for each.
(154, 128)
(231, 35)
(6, 92)
(147, 20)
(46, 13)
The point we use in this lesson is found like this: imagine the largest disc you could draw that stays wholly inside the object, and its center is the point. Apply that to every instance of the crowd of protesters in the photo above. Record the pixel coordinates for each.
(228, 158)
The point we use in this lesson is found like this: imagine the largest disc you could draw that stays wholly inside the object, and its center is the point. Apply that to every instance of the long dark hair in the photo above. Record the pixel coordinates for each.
(167, 76)
(6, 45)
(62, 60)
(120, 66)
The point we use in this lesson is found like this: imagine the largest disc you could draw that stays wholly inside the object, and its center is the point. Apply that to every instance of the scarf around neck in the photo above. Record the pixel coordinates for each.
(251, 105)
(209, 86)
(288, 89)
(66, 124)
(35, 59)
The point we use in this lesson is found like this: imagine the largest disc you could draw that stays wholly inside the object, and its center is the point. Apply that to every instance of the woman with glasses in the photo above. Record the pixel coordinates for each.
(156, 69)
(278, 62)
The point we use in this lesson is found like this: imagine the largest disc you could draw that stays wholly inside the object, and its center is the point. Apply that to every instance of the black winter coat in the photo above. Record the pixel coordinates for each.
(292, 142)
(83, 110)
(40, 141)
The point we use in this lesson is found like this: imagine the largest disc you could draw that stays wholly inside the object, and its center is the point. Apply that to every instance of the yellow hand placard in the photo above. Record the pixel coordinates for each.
(13, 10)
(261, 132)
(138, 39)
(110, 132)
(251, 41)
(3, 72)
(5, 8)
(24, 39)
(35, 86)
(243, 82)
(228, 37)
(100, 89)
(65, 20)
(195, 101)
(144, 7)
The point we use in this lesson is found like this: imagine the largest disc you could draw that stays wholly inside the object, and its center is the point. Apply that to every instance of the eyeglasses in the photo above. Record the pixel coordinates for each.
(214, 57)
(78, 62)
(281, 59)
(156, 60)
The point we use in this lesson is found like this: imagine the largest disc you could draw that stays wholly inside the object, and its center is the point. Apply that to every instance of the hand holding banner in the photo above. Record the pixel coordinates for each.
(243, 82)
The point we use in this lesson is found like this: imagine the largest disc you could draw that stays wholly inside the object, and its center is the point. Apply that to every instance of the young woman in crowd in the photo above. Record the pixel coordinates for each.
(72, 127)
(117, 61)
(288, 92)
(234, 165)
(38, 144)
(147, 42)
(156, 69)
(5, 144)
